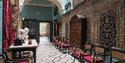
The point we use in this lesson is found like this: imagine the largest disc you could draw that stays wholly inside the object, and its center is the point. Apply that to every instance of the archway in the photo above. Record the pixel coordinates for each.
(42, 10)
(55, 2)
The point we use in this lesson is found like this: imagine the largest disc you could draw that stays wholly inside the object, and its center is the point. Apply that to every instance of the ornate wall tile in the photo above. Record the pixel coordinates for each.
(107, 29)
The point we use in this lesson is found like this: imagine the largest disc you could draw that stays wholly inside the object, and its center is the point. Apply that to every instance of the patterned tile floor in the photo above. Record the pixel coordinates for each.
(47, 53)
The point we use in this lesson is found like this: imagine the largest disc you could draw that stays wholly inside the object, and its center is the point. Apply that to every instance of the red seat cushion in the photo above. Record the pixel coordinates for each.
(59, 43)
(65, 45)
(86, 54)
(77, 53)
(23, 62)
(88, 58)
(62, 44)
(99, 59)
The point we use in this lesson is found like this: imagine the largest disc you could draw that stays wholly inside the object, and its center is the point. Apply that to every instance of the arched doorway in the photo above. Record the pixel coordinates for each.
(42, 10)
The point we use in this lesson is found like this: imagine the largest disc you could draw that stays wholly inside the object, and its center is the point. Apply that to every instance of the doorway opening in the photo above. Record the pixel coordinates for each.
(44, 30)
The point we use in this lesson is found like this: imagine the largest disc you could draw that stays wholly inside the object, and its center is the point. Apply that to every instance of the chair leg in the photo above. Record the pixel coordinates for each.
(74, 59)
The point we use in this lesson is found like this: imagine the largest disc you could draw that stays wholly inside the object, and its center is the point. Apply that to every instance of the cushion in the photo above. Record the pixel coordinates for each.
(23, 62)
(99, 59)
(88, 58)
(65, 45)
(86, 54)
(77, 53)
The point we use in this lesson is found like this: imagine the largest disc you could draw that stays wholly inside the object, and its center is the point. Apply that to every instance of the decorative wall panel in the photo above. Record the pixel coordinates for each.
(107, 29)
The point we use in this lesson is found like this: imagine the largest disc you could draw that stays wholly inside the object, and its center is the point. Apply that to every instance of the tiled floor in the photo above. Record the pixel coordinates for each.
(47, 53)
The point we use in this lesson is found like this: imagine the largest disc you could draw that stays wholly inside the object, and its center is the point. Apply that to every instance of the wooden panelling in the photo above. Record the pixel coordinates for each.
(77, 31)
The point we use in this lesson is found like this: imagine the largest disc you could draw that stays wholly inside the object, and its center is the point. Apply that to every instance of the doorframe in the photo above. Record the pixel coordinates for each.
(84, 31)
(51, 29)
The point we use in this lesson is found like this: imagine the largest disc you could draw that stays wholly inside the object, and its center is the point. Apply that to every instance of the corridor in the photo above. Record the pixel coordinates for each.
(62, 31)
(47, 53)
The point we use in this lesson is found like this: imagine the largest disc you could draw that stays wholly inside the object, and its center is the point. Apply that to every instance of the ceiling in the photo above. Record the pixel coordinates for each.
(45, 3)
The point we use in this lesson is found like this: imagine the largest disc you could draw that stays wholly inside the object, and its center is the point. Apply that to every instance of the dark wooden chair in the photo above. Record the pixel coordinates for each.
(8, 60)
(118, 55)
(76, 53)
(87, 52)
(81, 52)
(98, 55)
(57, 42)
(65, 46)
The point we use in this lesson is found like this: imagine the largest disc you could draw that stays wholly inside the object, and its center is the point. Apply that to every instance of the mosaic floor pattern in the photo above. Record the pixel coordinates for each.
(47, 53)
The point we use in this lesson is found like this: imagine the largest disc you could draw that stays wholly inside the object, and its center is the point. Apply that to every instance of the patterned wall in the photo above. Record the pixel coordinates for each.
(107, 29)
(104, 15)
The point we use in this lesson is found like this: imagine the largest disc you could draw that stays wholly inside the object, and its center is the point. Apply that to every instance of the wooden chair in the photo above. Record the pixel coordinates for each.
(76, 53)
(55, 40)
(118, 56)
(8, 60)
(65, 46)
(98, 55)
(86, 53)
(88, 48)
(81, 52)
(57, 43)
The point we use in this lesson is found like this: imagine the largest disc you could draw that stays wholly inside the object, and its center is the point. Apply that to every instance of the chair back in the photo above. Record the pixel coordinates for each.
(118, 55)
(99, 50)
(99, 54)
(8, 60)
(88, 46)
